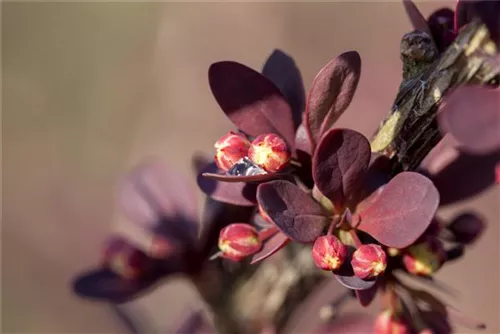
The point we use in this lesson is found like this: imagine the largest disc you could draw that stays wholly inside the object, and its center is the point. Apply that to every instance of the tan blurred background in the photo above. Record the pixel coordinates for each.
(89, 89)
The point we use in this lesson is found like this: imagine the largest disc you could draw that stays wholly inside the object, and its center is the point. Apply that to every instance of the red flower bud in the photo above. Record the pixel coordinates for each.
(329, 252)
(124, 259)
(425, 258)
(387, 323)
(230, 148)
(270, 152)
(369, 261)
(237, 241)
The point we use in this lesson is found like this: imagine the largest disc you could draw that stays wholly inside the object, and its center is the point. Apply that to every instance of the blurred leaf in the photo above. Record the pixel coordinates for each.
(467, 227)
(281, 69)
(153, 194)
(331, 93)
(464, 320)
(237, 193)
(270, 247)
(194, 322)
(251, 101)
(102, 284)
(365, 297)
(487, 11)
(401, 213)
(417, 20)
(468, 175)
(471, 114)
(293, 211)
(340, 163)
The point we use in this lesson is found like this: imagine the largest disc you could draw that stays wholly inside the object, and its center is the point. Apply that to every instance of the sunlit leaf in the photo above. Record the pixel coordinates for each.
(251, 101)
(402, 211)
(331, 93)
(340, 163)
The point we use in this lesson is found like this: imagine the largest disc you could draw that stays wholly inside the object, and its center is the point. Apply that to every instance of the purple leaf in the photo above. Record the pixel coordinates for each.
(245, 178)
(365, 297)
(331, 93)
(466, 227)
(104, 285)
(471, 114)
(270, 247)
(237, 193)
(153, 194)
(417, 20)
(281, 69)
(402, 212)
(340, 163)
(293, 211)
(251, 101)
(441, 24)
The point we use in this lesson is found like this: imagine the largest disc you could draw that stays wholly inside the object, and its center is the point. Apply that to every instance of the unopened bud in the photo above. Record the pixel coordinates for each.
(329, 252)
(425, 258)
(230, 148)
(124, 259)
(466, 228)
(270, 152)
(369, 261)
(387, 323)
(237, 241)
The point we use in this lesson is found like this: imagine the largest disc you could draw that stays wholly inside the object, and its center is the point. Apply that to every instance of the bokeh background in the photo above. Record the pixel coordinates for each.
(91, 89)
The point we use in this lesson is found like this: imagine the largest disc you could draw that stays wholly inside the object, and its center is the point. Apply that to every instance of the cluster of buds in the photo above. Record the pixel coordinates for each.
(267, 151)
(425, 258)
(368, 261)
(124, 259)
(238, 241)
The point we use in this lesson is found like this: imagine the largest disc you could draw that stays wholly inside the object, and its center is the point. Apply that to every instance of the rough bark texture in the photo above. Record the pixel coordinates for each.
(245, 299)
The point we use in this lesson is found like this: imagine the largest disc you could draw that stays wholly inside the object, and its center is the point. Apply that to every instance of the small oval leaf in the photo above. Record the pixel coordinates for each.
(471, 115)
(365, 297)
(340, 163)
(292, 210)
(345, 275)
(331, 93)
(237, 193)
(401, 212)
(271, 247)
(251, 101)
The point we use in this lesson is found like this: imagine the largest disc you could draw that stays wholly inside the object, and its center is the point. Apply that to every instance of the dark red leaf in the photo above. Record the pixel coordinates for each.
(237, 193)
(293, 211)
(104, 285)
(340, 163)
(487, 11)
(251, 101)
(240, 178)
(270, 247)
(402, 211)
(365, 297)
(281, 69)
(152, 194)
(417, 20)
(331, 93)
(441, 24)
(471, 114)
(466, 227)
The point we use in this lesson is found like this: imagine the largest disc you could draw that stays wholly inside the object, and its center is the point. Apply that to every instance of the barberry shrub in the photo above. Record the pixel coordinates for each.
(288, 187)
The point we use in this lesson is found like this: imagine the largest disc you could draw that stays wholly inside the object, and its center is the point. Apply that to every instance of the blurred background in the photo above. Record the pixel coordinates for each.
(91, 89)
